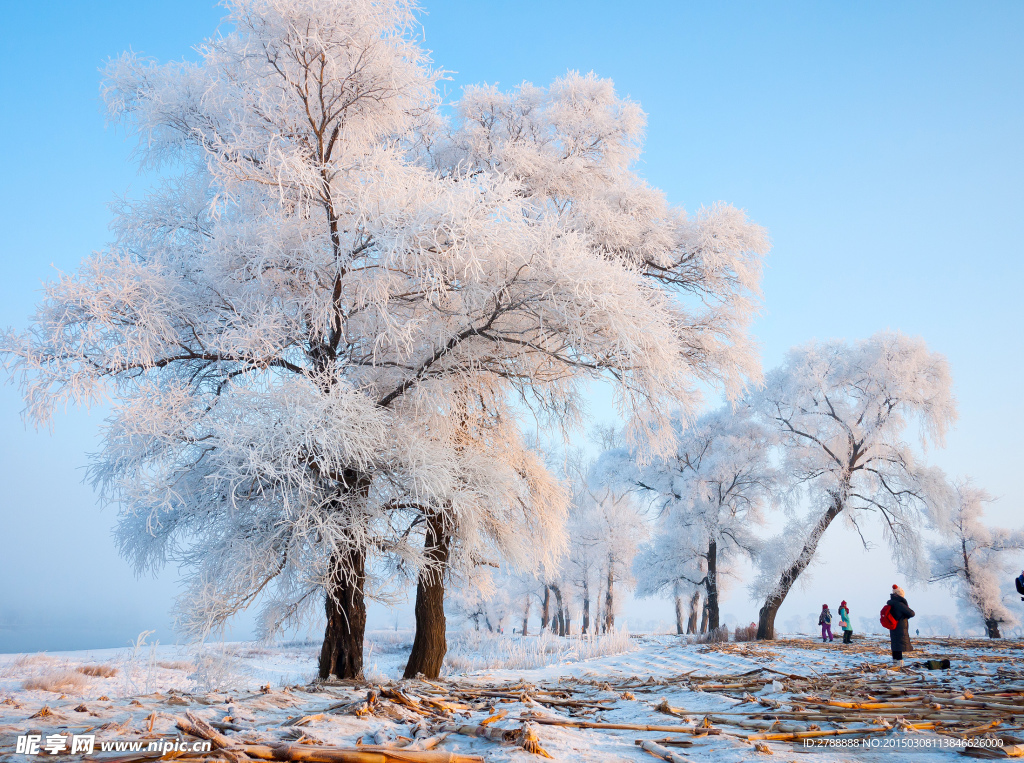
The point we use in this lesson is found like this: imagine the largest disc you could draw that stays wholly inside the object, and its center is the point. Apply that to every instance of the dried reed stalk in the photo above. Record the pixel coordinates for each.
(662, 752)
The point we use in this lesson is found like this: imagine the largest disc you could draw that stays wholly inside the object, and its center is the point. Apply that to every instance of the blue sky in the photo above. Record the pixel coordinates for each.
(879, 143)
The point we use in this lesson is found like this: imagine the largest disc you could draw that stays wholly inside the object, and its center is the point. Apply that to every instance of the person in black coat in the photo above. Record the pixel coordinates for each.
(899, 636)
(1020, 585)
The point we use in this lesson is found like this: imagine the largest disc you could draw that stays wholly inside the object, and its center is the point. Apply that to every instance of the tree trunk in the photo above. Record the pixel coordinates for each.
(711, 584)
(992, 628)
(609, 601)
(429, 645)
(558, 622)
(545, 609)
(526, 615)
(766, 617)
(586, 606)
(691, 623)
(991, 622)
(680, 628)
(341, 655)
(704, 619)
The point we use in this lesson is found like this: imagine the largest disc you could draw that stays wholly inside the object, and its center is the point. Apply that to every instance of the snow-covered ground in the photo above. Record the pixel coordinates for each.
(257, 694)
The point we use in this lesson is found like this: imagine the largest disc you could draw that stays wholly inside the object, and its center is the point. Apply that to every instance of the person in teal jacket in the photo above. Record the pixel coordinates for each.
(844, 618)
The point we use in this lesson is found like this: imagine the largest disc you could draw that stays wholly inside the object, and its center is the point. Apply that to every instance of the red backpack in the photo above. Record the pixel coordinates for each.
(888, 621)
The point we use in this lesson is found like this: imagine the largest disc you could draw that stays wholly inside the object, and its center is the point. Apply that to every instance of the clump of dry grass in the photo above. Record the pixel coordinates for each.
(714, 636)
(745, 633)
(245, 651)
(177, 665)
(26, 661)
(477, 650)
(58, 681)
(100, 671)
(252, 653)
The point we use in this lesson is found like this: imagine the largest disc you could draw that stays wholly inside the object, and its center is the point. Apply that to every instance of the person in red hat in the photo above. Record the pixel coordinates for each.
(825, 621)
(899, 636)
(844, 618)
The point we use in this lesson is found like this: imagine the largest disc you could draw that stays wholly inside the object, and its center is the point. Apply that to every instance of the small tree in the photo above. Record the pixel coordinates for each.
(974, 560)
(667, 564)
(582, 565)
(606, 528)
(841, 412)
(489, 598)
(710, 497)
(616, 530)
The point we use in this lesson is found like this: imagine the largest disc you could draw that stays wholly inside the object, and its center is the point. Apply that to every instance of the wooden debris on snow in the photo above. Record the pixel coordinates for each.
(980, 697)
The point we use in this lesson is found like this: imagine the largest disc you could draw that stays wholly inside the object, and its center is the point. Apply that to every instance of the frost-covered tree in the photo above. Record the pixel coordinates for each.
(500, 598)
(568, 151)
(291, 322)
(842, 412)
(502, 506)
(580, 570)
(490, 598)
(709, 498)
(607, 533)
(667, 564)
(556, 607)
(670, 564)
(974, 560)
(605, 529)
